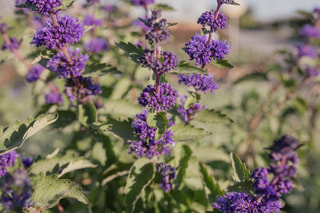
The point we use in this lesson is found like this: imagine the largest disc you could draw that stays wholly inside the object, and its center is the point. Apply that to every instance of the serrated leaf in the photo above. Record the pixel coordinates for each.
(182, 155)
(210, 183)
(49, 190)
(16, 134)
(212, 116)
(99, 69)
(185, 68)
(245, 186)
(87, 114)
(140, 176)
(159, 121)
(222, 64)
(257, 76)
(163, 7)
(240, 171)
(131, 51)
(119, 128)
(182, 132)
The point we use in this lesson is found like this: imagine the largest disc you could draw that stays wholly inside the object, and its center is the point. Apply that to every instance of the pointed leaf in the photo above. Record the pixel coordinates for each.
(182, 155)
(159, 121)
(121, 88)
(245, 186)
(131, 51)
(182, 132)
(87, 114)
(185, 68)
(222, 64)
(257, 76)
(163, 7)
(76, 165)
(212, 116)
(15, 135)
(141, 174)
(49, 190)
(240, 171)
(211, 183)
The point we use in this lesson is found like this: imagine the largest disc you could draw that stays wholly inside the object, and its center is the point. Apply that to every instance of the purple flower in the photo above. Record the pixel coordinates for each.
(59, 63)
(187, 112)
(69, 30)
(312, 71)
(207, 19)
(53, 97)
(168, 174)
(109, 8)
(162, 65)
(310, 31)
(203, 52)
(45, 7)
(34, 73)
(81, 88)
(307, 50)
(3, 27)
(148, 145)
(90, 20)
(165, 101)
(14, 44)
(157, 36)
(199, 82)
(93, 1)
(142, 2)
(239, 202)
(7, 160)
(16, 191)
(96, 45)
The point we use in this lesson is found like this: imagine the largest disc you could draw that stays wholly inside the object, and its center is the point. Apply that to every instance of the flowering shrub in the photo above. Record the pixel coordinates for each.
(133, 126)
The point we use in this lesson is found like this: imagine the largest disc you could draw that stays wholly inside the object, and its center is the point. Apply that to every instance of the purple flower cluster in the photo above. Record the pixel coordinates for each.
(59, 63)
(199, 82)
(168, 174)
(7, 160)
(142, 2)
(239, 202)
(45, 7)
(148, 146)
(90, 20)
(268, 192)
(53, 97)
(310, 31)
(34, 73)
(162, 65)
(81, 88)
(69, 30)
(199, 49)
(188, 113)
(158, 102)
(3, 27)
(16, 191)
(14, 44)
(96, 45)
(307, 50)
(207, 19)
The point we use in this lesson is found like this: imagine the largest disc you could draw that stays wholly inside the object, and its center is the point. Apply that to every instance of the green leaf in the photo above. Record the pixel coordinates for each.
(119, 128)
(256, 76)
(99, 153)
(185, 68)
(15, 135)
(122, 108)
(182, 132)
(234, 3)
(131, 51)
(158, 120)
(182, 155)
(55, 163)
(87, 114)
(99, 69)
(240, 171)
(121, 88)
(212, 116)
(163, 7)
(49, 190)
(140, 176)
(222, 64)
(245, 186)
(65, 4)
(211, 183)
